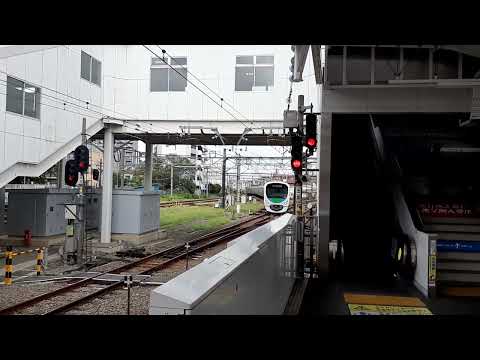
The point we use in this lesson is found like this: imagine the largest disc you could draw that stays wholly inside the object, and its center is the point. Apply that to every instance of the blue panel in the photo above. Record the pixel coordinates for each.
(457, 246)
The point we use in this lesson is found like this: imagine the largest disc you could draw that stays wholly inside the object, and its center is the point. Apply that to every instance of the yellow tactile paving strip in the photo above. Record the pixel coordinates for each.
(362, 299)
(358, 309)
(361, 304)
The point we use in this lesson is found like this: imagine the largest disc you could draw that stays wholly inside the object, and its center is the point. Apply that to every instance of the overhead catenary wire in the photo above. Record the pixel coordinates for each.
(85, 111)
(189, 72)
(75, 112)
(203, 92)
(70, 111)
(65, 102)
(71, 97)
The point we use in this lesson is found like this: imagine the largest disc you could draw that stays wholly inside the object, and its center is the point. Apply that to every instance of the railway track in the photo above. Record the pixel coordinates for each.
(188, 202)
(61, 300)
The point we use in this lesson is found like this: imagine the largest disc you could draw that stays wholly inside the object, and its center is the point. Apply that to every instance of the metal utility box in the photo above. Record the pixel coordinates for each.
(37, 210)
(93, 202)
(135, 212)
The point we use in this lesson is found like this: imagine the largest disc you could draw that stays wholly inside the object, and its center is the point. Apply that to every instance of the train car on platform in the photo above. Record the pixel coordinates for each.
(276, 197)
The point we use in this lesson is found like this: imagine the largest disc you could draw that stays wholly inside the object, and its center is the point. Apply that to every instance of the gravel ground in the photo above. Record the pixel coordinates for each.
(114, 302)
(59, 300)
(14, 294)
(110, 266)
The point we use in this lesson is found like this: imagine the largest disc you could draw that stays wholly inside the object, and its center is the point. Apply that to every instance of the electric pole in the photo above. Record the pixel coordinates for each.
(224, 168)
(238, 181)
(81, 209)
(122, 166)
(207, 183)
(171, 180)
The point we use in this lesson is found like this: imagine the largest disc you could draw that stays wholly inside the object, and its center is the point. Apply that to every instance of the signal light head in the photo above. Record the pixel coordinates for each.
(82, 158)
(311, 142)
(71, 173)
(296, 164)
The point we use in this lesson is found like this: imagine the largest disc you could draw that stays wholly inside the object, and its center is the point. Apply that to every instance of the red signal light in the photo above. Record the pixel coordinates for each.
(296, 164)
(312, 142)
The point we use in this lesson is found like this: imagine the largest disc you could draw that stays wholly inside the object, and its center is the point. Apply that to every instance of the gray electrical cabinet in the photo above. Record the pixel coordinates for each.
(93, 202)
(135, 212)
(37, 210)
(41, 212)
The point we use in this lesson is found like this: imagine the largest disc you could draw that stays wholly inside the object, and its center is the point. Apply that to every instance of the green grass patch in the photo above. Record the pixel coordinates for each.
(181, 215)
(205, 218)
(252, 207)
(211, 224)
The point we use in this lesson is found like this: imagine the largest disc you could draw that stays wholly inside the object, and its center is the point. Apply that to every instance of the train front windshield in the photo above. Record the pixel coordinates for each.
(278, 191)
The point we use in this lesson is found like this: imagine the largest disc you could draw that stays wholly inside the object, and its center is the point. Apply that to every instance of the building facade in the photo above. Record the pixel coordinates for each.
(46, 91)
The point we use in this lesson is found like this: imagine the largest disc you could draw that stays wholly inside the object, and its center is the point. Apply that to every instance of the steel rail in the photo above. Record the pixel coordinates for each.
(188, 202)
(156, 267)
(222, 234)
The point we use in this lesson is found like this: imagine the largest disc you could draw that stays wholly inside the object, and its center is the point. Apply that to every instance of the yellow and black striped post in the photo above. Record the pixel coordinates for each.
(8, 266)
(39, 261)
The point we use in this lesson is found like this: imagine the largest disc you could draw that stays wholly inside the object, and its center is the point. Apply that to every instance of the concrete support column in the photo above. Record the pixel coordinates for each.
(147, 181)
(61, 173)
(325, 149)
(108, 141)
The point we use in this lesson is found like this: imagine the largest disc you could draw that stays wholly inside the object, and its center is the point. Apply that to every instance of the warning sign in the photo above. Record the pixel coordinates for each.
(358, 309)
(444, 209)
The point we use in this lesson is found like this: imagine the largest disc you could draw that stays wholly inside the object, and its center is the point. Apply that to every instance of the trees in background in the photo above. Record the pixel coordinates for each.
(214, 188)
(182, 177)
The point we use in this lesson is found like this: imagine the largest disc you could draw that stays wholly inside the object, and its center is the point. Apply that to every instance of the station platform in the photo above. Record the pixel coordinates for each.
(329, 297)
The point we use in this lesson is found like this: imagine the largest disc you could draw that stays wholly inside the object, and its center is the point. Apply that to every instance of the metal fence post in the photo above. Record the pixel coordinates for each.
(8, 266)
(187, 246)
(39, 261)
(128, 281)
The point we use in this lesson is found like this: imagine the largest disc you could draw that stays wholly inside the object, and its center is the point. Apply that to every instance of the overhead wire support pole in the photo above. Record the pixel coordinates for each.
(224, 167)
(81, 254)
(238, 183)
(299, 198)
(122, 168)
(171, 180)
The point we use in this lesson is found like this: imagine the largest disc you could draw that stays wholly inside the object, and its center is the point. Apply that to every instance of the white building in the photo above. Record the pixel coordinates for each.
(46, 90)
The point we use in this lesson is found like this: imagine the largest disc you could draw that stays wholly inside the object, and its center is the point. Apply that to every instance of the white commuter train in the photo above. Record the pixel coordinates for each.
(276, 196)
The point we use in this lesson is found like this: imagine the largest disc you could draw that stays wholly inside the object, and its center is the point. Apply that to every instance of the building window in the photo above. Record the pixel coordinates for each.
(23, 98)
(164, 78)
(91, 69)
(254, 73)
